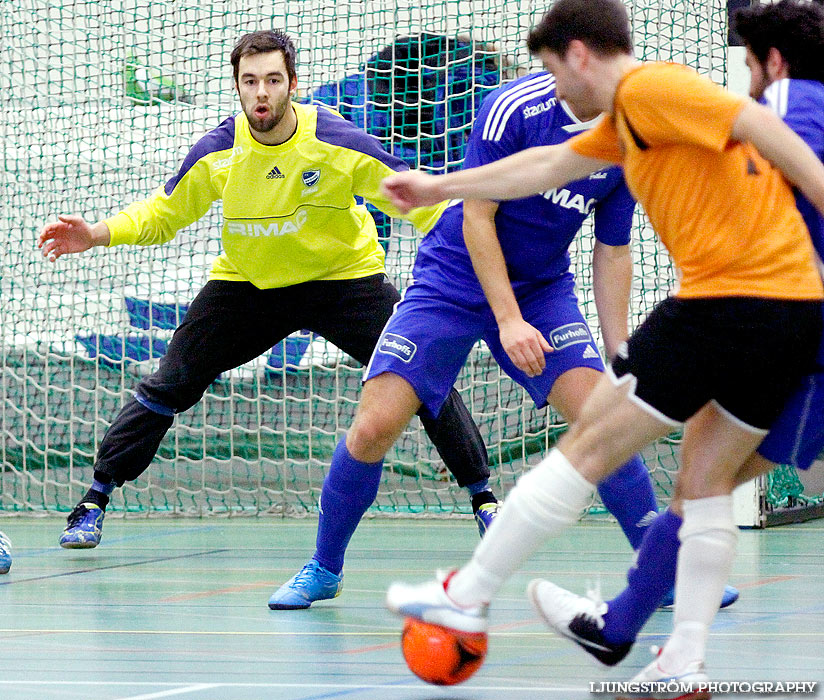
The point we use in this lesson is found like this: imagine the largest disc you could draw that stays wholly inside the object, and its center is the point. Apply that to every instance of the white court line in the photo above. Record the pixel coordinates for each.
(358, 633)
(173, 691)
(413, 685)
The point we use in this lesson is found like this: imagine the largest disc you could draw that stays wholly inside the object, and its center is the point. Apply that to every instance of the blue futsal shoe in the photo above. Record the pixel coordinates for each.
(485, 515)
(83, 527)
(5, 554)
(311, 583)
(730, 596)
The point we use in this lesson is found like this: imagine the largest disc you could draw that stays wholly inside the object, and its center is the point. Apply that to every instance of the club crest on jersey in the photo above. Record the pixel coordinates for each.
(570, 334)
(398, 346)
(311, 177)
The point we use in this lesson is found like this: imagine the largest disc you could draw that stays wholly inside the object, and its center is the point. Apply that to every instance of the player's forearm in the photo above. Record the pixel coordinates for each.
(611, 286)
(481, 238)
(525, 173)
(783, 148)
(100, 235)
(156, 220)
(133, 227)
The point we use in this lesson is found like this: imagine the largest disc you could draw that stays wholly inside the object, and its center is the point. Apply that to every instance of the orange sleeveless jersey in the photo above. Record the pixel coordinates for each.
(727, 217)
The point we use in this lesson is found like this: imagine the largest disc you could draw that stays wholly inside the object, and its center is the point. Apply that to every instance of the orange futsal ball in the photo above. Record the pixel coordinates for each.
(439, 655)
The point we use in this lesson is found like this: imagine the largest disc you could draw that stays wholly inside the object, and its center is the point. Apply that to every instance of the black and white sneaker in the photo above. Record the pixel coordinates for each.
(579, 618)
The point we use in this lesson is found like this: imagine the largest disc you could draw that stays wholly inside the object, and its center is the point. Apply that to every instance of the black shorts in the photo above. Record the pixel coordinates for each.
(747, 354)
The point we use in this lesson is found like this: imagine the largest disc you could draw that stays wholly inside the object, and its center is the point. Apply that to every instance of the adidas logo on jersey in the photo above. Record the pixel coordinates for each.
(275, 174)
(590, 353)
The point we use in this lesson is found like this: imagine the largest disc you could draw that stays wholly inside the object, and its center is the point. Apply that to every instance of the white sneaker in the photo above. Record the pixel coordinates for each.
(691, 682)
(576, 617)
(430, 603)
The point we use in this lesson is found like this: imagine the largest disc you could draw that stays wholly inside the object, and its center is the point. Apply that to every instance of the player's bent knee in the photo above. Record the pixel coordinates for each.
(388, 403)
(372, 434)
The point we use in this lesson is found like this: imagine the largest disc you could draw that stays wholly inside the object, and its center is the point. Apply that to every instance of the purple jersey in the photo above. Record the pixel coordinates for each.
(800, 103)
(797, 436)
(534, 232)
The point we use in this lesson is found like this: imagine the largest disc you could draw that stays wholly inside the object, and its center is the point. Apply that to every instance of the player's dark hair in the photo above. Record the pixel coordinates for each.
(602, 25)
(264, 41)
(794, 28)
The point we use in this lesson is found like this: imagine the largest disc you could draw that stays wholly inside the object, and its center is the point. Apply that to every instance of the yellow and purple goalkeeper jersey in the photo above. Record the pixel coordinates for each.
(289, 211)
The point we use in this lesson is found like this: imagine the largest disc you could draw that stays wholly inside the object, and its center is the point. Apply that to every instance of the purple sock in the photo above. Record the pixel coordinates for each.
(627, 494)
(649, 581)
(348, 491)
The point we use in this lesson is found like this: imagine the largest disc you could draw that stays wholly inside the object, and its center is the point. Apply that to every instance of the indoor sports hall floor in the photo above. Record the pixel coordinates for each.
(177, 609)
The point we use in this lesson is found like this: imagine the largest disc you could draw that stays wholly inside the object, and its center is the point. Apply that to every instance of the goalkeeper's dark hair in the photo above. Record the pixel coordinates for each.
(794, 27)
(264, 41)
(602, 25)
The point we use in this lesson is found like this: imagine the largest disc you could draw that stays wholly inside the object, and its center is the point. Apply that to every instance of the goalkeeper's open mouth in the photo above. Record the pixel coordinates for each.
(261, 111)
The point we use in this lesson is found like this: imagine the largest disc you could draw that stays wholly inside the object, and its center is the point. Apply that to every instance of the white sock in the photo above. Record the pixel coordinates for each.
(708, 538)
(544, 502)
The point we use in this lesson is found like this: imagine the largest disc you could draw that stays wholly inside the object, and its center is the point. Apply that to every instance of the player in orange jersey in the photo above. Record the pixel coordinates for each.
(720, 356)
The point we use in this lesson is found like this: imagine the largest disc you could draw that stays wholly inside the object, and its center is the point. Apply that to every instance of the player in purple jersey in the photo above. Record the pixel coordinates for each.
(784, 42)
(785, 45)
(497, 272)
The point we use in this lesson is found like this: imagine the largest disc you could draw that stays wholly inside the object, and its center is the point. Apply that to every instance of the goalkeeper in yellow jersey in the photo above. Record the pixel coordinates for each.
(299, 253)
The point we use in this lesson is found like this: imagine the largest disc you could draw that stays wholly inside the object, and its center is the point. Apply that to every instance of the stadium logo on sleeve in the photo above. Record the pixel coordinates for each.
(398, 346)
(311, 177)
(534, 110)
(570, 334)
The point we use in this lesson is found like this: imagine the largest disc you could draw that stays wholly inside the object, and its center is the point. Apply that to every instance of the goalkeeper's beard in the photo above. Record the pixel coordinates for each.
(270, 121)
